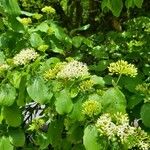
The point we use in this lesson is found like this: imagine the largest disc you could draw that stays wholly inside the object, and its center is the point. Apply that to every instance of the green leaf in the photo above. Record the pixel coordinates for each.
(134, 100)
(11, 7)
(77, 41)
(129, 3)
(113, 100)
(131, 83)
(43, 27)
(102, 65)
(83, 28)
(17, 137)
(90, 139)
(75, 133)
(42, 140)
(27, 13)
(106, 3)
(7, 95)
(56, 48)
(138, 3)
(55, 133)
(145, 111)
(98, 80)
(116, 7)
(36, 40)
(59, 33)
(5, 144)
(14, 78)
(12, 115)
(22, 91)
(63, 102)
(2, 57)
(39, 91)
(76, 113)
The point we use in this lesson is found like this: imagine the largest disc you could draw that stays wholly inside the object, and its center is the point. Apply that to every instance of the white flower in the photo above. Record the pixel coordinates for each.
(105, 126)
(73, 69)
(143, 145)
(4, 66)
(25, 56)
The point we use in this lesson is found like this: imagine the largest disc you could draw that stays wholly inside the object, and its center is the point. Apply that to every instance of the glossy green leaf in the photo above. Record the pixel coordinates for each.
(39, 91)
(75, 133)
(42, 140)
(63, 102)
(5, 143)
(55, 133)
(59, 33)
(145, 111)
(56, 48)
(106, 3)
(17, 137)
(90, 139)
(113, 100)
(129, 3)
(116, 7)
(77, 41)
(2, 57)
(22, 91)
(14, 78)
(7, 95)
(76, 113)
(11, 7)
(36, 40)
(134, 100)
(12, 115)
(43, 27)
(98, 80)
(138, 3)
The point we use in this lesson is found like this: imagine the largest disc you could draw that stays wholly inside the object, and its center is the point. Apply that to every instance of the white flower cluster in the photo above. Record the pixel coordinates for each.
(3, 67)
(73, 69)
(117, 128)
(106, 127)
(25, 56)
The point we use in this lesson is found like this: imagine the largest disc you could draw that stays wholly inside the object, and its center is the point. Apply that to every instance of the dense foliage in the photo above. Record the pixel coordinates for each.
(74, 74)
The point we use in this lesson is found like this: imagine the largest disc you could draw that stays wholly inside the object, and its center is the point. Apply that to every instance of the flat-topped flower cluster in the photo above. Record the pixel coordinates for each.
(71, 70)
(117, 128)
(123, 67)
(91, 108)
(25, 56)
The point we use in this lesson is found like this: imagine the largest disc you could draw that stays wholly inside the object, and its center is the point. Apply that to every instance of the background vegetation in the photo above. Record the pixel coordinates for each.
(74, 71)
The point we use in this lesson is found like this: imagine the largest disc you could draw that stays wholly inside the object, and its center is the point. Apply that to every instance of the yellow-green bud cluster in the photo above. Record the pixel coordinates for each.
(73, 69)
(43, 48)
(37, 16)
(48, 10)
(25, 56)
(91, 108)
(117, 128)
(86, 85)
(25, 21)
(52, 73)
(122, 67)
(100, 92)
(145, 90)
(36, 124)
(50, 31)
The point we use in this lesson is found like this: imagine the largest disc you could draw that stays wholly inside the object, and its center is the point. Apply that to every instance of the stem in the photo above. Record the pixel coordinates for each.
(118, 79)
